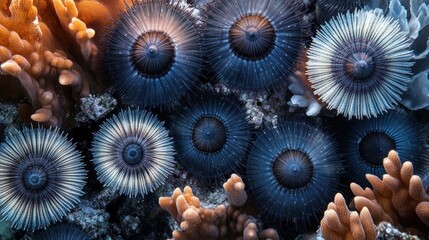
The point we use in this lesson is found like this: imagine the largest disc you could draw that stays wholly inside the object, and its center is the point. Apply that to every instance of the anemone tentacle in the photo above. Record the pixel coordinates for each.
(293, 171)
(42, 176)
(211, 134)
(341, 6)
(133, 153)
(253, 44)
(365, 143)
(62, 232)
(360, 64)
(153, 55)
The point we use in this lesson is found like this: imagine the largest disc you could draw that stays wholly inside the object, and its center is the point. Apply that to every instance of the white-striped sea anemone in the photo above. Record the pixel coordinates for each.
(41, 178)
(133, 153)
(360, 64)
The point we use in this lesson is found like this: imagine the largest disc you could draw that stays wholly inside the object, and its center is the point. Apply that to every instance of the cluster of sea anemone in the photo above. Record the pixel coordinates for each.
(165, 61)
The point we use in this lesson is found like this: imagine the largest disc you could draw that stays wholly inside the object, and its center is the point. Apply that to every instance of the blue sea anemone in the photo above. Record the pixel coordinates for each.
(41, 177)
(153, 55)
(133, 153)
(253, 44)
(61, 232)
(365, 143)
(360, 64)
(341, 6)
(293, 172)
(211, 134)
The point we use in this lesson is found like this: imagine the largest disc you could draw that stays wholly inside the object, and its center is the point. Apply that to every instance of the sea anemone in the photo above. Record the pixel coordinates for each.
(293, 171)
(62, 232)
(365, 143)
(41, 177)
(133, 153)
(253, 44)
(360, 63)
(211, 134)
(341, 6)
(153, 55)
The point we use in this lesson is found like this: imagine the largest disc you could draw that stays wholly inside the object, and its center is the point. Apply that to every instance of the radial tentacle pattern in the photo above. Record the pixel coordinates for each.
(360, 64)
(211, 134)
(153, 55)
(253, 44)
(341, 6)
(293, 171)
(62, 232)
(365, 143)
(41, 178)
(133, 153)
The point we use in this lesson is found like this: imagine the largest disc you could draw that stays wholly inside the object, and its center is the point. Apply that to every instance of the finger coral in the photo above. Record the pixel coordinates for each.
(211, 134)
(153, 54)
(293, 164)
(399, 198)
(253, 44)
(360, 64)
(41, 177)
(133, 153)
(30, 51)
(197, 222)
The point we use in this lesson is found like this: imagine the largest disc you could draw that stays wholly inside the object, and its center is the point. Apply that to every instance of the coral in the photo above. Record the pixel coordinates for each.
(30, 51)
(253, 45)
(197, 222)
(153, 54)
(61, 232)
(133, 153)
(42, 177)
(301, 88)
(360, 63)
(211, 134)
(365, 143)
(339, 223)
(293, 164)
(398, 198)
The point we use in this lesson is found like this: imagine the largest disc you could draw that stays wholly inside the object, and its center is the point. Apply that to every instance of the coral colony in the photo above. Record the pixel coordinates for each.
(121, 119)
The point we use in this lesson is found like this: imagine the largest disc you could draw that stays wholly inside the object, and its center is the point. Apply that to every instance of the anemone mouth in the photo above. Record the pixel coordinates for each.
(153, 54)
(357, 65)
(375, 146)
(252, 37)
(35, 177)
(209, 134)
(133, 154)
(293, 169)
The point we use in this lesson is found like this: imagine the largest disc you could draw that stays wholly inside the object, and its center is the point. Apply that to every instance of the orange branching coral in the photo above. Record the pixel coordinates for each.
(41, 43)
(197, 222)
(398, 198)
(339, 223)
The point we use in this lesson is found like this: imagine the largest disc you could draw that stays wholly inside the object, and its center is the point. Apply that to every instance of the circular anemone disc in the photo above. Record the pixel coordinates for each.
(296, 169)
(358, 70)
(44, 173)
(211, 134)
(35, 177)
(365, 143)
(62, 231)
(137, 159)
(153, 55)
(252, 37)
(293, 169)
(253, 44)
(341, 6)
